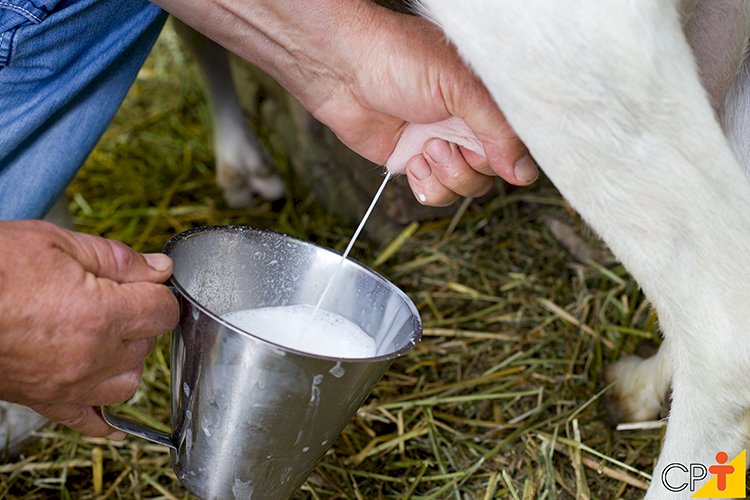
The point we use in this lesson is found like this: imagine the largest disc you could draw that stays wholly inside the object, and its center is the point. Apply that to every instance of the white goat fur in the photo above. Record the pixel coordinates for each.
(608, 99)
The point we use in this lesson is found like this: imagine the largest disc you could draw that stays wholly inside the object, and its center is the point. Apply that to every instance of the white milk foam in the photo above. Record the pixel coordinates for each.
(303, 328)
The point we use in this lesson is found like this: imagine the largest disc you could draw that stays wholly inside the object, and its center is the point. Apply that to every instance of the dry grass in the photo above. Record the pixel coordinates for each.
(502, 399)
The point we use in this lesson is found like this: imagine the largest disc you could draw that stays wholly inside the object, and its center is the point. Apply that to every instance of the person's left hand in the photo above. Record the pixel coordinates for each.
(78, 315)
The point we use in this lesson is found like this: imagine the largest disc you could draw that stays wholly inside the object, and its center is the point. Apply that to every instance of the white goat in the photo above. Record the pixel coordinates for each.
(608, 98)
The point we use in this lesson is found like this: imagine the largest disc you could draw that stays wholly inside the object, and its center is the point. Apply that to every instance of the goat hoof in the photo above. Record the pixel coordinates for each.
(632, 397)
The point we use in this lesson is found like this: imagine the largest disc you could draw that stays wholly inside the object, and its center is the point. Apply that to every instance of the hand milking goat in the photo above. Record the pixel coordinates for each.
(609, 99)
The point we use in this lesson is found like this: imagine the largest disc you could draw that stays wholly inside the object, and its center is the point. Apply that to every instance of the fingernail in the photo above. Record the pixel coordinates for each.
(158, 261)
(117, 436)
(438, 150)
(420, 169)
(525, 169)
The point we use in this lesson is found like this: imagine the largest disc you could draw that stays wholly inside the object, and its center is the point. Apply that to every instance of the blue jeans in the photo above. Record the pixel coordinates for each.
(65, 67)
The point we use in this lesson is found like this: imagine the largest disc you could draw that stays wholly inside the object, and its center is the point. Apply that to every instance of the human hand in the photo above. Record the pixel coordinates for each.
(404, 72)
(78, 314)
(368, 72)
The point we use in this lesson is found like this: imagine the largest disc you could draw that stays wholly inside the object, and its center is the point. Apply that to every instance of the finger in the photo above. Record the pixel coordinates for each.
(453, 171)
(116, 261)
(426, 187)
(143, 309)
(132, 356)
(122, 368)
(477, 162)
(85, 419)
(104, 389)
(113, 390)
(506, 154)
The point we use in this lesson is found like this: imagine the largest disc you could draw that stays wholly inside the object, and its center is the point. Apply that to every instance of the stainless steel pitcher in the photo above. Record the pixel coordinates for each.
(251, 419)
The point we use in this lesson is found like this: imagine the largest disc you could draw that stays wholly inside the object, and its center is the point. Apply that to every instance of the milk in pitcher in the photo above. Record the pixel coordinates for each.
(304, 328)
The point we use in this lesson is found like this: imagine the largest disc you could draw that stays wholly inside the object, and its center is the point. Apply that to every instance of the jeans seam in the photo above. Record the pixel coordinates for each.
(21, 11)
(5, 47)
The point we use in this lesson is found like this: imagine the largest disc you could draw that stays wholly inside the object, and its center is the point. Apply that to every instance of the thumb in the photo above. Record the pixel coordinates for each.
(116, 261)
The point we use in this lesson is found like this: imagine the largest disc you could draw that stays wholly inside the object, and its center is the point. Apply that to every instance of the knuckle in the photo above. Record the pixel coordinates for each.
(69, 377)
(47, 391)
(87, 308)
(131, 381)
(478, 163)
(143, 347)
(73, 372)
(123, 257)
(95, 327)
(76, 417)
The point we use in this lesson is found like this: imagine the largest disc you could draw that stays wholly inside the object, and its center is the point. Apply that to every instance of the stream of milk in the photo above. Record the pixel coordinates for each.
(354, 239)
(309, 328)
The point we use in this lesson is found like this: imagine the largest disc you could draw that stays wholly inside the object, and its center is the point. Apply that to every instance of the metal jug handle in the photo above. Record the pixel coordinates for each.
(137, 429)
(130, 426)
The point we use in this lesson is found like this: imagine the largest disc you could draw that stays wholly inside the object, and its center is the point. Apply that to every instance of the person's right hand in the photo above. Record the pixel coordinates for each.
(78, 314)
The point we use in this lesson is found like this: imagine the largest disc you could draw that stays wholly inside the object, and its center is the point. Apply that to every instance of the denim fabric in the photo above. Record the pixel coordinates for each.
(65, 67)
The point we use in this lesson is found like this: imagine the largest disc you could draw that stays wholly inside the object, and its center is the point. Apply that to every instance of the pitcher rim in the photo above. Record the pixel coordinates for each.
(238, 228)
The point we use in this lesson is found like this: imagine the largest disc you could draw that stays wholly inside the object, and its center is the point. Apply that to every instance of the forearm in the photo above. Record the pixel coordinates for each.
(302, 44)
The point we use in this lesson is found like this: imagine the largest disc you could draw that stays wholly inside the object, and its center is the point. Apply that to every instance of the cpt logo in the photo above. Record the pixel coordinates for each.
(728, 479)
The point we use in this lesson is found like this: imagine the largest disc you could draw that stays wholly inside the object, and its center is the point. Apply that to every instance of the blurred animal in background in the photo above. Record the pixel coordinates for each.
(243, 168)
